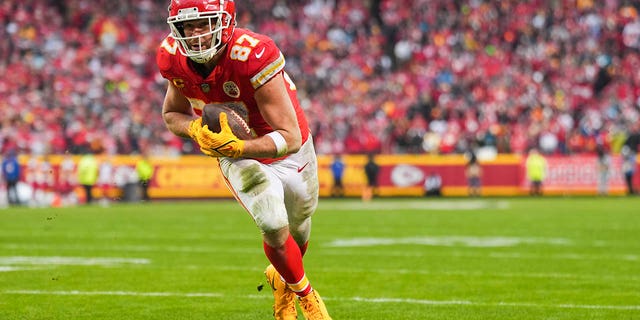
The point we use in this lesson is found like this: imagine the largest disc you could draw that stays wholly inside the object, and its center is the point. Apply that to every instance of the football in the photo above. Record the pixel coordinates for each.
(211, 117)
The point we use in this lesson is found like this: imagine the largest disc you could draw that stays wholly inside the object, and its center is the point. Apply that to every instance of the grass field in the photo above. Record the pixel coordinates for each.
(521, 258)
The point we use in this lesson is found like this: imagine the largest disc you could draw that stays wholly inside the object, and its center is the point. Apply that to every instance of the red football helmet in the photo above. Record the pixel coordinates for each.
(221, 15)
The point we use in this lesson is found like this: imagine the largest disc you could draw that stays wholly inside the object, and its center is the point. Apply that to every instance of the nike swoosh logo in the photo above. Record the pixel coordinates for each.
(302, 168)
(259, 54)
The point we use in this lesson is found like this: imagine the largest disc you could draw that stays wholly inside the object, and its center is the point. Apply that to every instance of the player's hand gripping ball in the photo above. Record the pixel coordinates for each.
(211, 118)
(220, 131)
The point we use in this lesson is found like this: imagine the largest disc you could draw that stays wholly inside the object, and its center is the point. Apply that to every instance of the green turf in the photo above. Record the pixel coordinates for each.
(520, 258)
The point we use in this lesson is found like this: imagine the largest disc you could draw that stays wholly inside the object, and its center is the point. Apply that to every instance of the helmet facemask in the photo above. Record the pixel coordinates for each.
(218, 22)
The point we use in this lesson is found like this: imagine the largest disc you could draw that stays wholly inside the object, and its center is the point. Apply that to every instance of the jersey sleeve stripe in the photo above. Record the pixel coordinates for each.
(268, 72)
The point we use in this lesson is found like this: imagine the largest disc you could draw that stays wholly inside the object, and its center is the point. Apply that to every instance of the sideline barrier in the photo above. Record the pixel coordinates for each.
(195, 176)
(404, 175)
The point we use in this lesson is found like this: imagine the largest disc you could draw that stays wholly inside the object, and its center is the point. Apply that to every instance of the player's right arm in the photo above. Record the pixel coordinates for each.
(176, 112)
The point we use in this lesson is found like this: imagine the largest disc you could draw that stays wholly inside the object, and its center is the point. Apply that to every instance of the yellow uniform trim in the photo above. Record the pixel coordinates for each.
(268, 72)
(301, 285)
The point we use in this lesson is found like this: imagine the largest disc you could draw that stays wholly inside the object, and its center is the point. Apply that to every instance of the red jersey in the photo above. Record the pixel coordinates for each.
(249, 61)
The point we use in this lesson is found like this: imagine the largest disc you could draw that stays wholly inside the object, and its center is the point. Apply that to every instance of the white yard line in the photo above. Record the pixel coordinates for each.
(443, 205)
(127, 248)
(461, 273)
(110, 235)
(329, 251)
(114, 293)
(22, 264)
(354, 299)
(483, 254)
(21, 268)
(448, 241)
(78, 261)
(492, 304)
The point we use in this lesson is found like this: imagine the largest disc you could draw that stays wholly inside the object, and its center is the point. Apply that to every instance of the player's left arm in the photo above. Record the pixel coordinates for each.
(276, 108)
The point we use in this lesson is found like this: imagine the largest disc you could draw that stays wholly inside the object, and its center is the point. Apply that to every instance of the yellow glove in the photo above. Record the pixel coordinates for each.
(221, 144)
(195, 126)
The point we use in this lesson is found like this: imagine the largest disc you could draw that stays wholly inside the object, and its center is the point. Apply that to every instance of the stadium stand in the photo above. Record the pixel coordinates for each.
(422, 76)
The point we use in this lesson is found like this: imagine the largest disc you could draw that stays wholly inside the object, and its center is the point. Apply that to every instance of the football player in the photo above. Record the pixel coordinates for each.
(206, 59)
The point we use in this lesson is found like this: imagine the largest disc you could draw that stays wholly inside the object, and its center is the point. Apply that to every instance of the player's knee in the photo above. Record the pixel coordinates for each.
(305, 210)
(272, 225)
(272, 217)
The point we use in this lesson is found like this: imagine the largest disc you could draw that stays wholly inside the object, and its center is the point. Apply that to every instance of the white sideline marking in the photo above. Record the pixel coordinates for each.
(355, 299)
(77, 261)
(448, 241)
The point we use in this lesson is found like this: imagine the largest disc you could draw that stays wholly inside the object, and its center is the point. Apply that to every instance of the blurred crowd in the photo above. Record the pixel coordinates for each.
(387, 76)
